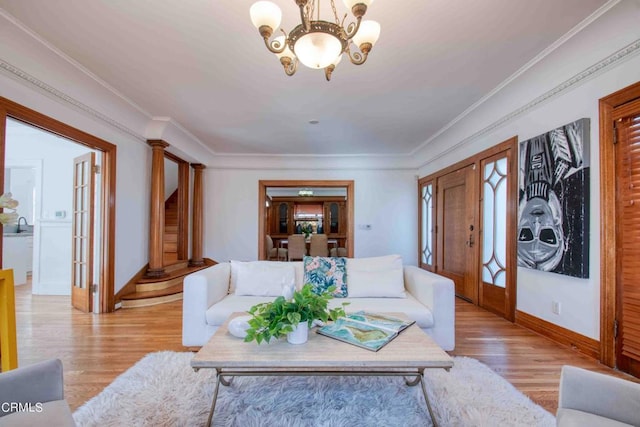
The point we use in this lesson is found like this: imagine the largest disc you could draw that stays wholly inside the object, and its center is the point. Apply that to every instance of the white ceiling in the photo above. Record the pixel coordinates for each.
(203, 64)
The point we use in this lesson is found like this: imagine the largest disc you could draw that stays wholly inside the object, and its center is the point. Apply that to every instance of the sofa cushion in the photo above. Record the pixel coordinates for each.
(260, 278)
(574, 418)
(324, 272)
(218, 313)
(380, 277)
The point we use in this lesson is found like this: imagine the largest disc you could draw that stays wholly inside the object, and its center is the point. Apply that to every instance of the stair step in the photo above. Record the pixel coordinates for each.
(158, 286)
(150, 301)
(162, 290)
(168, 228)
(177, 265)
(170, 237)
(170, 247)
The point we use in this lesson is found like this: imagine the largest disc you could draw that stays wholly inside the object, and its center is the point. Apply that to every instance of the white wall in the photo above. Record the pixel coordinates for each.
(385, 199)
(554, 100)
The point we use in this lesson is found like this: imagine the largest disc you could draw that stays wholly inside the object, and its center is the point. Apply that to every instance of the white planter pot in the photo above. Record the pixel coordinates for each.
(300, 334)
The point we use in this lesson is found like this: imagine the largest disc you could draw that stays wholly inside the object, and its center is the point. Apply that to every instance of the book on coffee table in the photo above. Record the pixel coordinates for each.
(364, 329)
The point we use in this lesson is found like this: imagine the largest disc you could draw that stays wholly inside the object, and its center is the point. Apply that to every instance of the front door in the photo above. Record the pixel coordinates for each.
(457, 231)
(627, 152)
(82, 232)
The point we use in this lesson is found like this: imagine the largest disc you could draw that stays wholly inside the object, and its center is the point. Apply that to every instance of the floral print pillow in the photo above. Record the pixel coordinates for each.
(323, 272)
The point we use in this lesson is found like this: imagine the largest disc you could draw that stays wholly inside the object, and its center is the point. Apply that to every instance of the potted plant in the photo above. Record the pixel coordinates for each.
(290, 314)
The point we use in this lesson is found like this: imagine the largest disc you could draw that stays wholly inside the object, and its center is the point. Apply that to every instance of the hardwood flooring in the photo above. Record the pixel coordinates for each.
(95, 349)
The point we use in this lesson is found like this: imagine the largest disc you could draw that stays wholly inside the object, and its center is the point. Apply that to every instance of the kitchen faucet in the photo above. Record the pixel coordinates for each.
(25, 223)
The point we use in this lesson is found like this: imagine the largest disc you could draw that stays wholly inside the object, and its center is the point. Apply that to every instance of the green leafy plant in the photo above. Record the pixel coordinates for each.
(277, 318)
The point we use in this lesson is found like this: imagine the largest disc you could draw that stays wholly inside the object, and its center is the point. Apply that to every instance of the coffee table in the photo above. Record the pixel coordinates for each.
(408, 355)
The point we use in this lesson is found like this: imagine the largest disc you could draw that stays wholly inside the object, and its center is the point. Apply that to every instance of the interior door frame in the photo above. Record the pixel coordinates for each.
(608, 243)
(262, 199)
(512, 210)
(13, 110)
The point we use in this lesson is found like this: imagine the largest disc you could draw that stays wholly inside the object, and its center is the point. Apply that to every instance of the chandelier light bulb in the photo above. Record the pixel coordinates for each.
(265, 13)
(318, 50)
(369, 32)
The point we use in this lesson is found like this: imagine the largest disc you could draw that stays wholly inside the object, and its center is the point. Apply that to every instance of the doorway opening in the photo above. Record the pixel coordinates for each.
(51, 218)
(467, 222)
(298, 206)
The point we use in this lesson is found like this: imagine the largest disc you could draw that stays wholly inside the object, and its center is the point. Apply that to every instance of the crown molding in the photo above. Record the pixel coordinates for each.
(54, 93)
(612, 60)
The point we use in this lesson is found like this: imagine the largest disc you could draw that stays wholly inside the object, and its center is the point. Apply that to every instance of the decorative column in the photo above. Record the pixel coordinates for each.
(197, 220)
(156, 223)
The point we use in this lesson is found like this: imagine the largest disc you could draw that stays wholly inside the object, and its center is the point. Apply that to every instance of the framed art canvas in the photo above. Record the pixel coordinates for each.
(553, 211)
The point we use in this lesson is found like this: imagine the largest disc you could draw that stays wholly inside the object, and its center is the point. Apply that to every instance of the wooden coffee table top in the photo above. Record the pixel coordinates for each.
(412, 349)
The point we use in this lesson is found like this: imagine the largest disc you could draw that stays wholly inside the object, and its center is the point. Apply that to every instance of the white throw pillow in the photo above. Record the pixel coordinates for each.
(376, 277)
(261, 278)
(374, 263)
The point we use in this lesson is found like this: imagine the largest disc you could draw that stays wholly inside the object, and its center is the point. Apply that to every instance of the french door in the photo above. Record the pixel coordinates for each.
(82, 232)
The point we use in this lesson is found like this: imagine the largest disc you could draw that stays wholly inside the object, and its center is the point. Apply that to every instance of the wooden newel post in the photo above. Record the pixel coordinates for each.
(156, 224)
(198, 216)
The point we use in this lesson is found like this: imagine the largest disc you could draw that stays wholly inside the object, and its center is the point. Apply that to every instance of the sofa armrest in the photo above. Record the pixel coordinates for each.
(201, 290)
(38, 383)
(438, 294)
(599, 394)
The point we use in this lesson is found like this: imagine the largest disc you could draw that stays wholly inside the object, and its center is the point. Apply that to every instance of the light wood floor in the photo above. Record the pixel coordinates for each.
(95, 349)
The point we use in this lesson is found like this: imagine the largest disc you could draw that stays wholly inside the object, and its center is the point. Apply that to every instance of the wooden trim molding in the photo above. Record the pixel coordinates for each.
(197, 222)
(262, 198)
(16, 111)
(608, 259)
(582, 344)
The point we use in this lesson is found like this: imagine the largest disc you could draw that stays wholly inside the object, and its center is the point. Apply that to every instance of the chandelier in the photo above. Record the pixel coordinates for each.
(317, 43)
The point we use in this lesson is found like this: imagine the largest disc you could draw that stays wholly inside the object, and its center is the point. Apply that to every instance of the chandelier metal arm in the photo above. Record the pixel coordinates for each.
(274, 46)
(359, 58)
(352, 29)
(290, 66)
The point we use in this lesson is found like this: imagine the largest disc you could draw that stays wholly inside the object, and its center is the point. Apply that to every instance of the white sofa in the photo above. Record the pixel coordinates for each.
(209, 298)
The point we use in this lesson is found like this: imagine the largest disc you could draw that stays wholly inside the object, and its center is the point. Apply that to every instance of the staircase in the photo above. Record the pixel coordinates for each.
(170, 249)
(141, 291)
(144, 292)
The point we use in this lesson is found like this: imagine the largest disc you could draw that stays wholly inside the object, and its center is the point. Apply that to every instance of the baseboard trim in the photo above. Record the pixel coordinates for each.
(585, 345)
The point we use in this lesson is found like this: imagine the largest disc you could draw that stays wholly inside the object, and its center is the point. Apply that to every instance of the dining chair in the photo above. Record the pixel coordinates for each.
(277, 253)
(319, 245)
(341, 252)
(297, 247)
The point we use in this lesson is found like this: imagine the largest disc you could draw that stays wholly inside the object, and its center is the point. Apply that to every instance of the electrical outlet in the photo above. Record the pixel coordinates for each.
(555, 307)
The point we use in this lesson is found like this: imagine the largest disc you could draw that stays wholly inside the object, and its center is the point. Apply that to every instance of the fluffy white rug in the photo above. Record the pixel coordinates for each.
(163, 390)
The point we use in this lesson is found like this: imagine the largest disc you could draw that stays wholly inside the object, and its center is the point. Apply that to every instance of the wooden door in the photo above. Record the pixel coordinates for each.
(627, 161)
(82, 232)
(457, 253)
(497, 241)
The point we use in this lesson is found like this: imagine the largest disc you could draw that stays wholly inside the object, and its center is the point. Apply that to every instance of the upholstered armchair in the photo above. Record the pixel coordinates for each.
(34, 396)
(591, 399)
